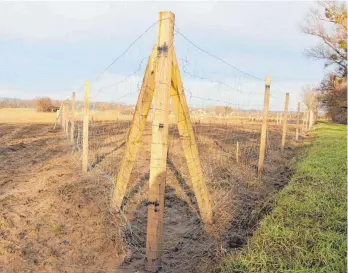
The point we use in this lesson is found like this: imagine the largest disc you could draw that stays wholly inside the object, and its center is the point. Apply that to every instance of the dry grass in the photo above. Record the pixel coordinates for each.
(20, 115)
(68, 211)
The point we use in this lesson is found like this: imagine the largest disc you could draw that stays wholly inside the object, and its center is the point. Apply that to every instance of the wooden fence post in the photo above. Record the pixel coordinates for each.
(63, 116)
(304, 122)
(311, 118)
(285, 120)
(298, 120)
(264, 127)
(159, 146)
(85, 129)
(66, 113)
(237, 152)
(72, 121)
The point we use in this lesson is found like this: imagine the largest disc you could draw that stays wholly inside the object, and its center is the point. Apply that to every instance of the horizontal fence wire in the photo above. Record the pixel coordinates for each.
(226, 112)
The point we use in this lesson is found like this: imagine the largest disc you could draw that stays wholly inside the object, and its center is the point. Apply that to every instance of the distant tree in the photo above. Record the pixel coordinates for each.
(329, 25)
(219, 110)
(311, 99)
(228, 110)
(333, 97)
(43, 104)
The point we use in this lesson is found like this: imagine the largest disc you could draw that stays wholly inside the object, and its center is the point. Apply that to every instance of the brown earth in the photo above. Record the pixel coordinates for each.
(54, 218)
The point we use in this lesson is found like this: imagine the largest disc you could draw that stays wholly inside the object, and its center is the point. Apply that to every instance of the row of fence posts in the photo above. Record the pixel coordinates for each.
(307, 122)
(65, 119)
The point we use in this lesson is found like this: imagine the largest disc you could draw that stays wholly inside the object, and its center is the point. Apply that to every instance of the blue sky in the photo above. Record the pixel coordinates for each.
(49, 49)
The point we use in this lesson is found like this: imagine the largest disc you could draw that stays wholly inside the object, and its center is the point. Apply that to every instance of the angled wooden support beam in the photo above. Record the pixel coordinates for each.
(187, 137)
(136, 131)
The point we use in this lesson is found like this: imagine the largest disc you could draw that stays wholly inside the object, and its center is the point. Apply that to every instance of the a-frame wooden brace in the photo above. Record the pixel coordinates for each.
(162, 82)
(186, 133)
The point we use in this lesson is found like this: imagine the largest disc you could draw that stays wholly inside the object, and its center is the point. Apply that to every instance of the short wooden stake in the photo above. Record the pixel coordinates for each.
(298, 120)
(264, 127)
(237, 152)
(159, 146)
(285, 119)
(85, 129)
(72, 119)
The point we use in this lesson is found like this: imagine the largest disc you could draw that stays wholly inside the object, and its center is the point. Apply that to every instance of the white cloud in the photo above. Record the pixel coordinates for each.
(64, 21)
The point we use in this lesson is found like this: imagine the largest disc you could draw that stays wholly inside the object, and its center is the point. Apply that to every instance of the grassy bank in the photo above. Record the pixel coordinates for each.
(306, 231)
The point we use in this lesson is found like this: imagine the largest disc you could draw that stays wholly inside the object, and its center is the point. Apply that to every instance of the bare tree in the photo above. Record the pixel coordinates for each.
(311, 100)
(43, 104)
(329, 24)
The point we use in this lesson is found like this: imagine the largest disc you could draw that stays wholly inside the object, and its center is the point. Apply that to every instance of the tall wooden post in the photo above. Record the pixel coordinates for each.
(72, 119)
(237, 152)
(85, 129)
(285, 121)
(159, 146)
(264, 127)
(298, 120)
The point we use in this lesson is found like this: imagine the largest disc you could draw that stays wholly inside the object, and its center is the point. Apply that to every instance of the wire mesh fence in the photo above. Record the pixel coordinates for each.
(225, 108)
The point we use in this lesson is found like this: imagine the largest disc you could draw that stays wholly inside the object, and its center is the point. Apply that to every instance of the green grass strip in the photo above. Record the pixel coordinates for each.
(306, 231)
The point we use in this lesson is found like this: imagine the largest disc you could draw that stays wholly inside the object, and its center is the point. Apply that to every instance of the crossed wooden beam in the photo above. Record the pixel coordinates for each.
(162, 82)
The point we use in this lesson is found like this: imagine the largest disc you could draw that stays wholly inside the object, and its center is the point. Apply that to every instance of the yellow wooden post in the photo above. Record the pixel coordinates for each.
(66, 113)
(85, 128)
(311, 118)
(136, 131)
(159, 146)
(264, 127)
(72, 119)
(189, 144)
(285, 118)
(298, 120)
(304, 119)
(63, 116)
(307, 120)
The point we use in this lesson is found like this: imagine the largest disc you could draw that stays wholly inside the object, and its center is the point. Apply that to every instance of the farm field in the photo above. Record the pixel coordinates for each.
(57, 219)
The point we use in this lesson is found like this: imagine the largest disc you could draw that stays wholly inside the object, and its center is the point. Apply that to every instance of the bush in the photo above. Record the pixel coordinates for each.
(43, 105)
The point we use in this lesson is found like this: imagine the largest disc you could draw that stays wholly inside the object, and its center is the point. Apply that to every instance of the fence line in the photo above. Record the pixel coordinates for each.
(193, 142)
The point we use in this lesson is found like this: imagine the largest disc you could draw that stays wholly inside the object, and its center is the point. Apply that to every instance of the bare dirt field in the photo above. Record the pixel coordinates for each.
(54, 218)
